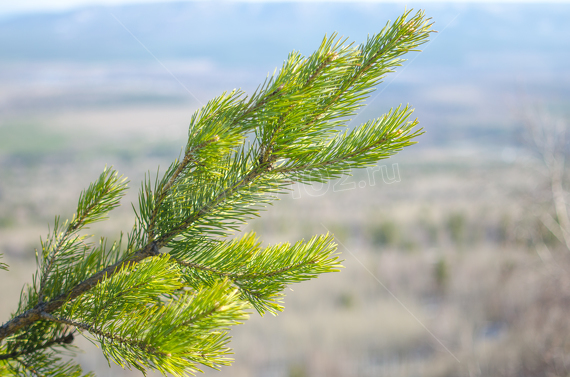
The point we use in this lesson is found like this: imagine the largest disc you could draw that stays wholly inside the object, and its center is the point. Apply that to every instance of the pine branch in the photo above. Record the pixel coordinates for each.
(167, 300)
(149, 249)
(362, 147)
(261, 273)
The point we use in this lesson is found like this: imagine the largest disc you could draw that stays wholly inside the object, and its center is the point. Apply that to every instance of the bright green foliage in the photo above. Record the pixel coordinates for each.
(166, 299)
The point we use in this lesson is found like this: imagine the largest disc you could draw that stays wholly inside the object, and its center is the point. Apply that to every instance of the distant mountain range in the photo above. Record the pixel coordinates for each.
(500, 38)
(483, 59)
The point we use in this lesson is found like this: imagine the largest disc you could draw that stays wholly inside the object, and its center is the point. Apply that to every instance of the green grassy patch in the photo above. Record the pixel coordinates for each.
(29, 139)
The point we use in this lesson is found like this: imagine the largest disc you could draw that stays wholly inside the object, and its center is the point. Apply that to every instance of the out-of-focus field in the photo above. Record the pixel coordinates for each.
(444, 275)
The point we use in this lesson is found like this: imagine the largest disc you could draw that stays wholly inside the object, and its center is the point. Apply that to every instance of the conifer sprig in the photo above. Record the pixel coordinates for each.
(65, 247)
(166, 299)
(259, 273)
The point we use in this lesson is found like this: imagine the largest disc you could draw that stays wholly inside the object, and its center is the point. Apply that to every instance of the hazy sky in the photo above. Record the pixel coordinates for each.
(24, 6)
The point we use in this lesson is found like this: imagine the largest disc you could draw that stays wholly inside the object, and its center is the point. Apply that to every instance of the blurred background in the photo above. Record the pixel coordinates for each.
(456, 250)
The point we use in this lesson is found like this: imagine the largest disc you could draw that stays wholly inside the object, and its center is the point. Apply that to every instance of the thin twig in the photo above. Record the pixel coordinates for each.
(245, 276)
(163, 191)
(95, 331)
